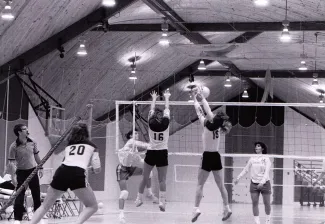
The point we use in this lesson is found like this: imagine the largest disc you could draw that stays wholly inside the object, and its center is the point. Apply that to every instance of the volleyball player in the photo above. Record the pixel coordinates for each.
(213, 126)
(158, 154)
(72, 174)
(131, 164)
(259, 168)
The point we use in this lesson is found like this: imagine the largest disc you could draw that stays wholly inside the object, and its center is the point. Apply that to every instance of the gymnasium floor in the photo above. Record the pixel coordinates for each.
(179, 213)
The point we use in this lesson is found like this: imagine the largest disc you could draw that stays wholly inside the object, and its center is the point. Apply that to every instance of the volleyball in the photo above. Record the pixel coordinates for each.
(100, 205)
(205, 91)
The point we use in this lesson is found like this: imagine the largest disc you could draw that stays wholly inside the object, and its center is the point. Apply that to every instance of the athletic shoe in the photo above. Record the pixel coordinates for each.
(226, 215)
(138, 202)
(16, 222)
(162, 206)
(267, 222)
(195, 214)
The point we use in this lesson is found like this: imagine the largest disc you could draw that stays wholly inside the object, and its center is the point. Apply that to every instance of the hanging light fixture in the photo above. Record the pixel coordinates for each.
(285, 35)
(261, 3)
(164, 36)
(133, 68)
(164, 41)
(315, 80)
(245, 94)
(133, 77)
(303, 56)
(7, 11)
(201, 66)
(164, 28)
(303, 66)
(108, 3)
(321, 98)
(315, 74)
(82, 51)
(228, 82)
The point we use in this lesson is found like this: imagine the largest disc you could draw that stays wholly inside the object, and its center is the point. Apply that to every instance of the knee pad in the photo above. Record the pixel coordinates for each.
(124, 195)
(151, 174)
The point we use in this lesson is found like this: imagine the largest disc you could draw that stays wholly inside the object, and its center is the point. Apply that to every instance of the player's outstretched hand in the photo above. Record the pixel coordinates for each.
(154, 95)
(167, 94)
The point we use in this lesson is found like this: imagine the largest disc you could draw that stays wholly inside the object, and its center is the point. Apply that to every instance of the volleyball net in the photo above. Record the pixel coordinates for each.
(292, 132)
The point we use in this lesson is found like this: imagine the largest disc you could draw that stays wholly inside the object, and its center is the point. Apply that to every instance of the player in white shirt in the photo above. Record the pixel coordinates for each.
(158, 154)
(72, 174)
(259, 168)
(131, 164)
(213, 125)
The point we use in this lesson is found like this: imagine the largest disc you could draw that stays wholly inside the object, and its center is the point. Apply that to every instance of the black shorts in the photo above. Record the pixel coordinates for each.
(72, 177)
(124, 172)
(266, 189)
(211, 161)
(157, 158)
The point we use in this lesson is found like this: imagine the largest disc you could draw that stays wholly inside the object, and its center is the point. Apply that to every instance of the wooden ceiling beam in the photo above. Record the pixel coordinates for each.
(51, 44)
(177, 23)
(261, 73)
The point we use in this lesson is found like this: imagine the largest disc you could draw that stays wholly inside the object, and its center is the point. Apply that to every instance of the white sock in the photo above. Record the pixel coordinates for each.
(195, 209)
(140, 196)
(162, 196)
(227, 208)
(122, 211)
(149, 191)
(257, 219)
(268, 217)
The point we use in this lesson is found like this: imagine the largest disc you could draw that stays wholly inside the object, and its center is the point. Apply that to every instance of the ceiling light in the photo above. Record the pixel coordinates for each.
(228, 82)
(285, 35)
(245, 94)
(201, 66)
(133, 77)
(164, 41)
(82, 51)
(108, 3)
(7, 12)
(133, 68)
(303, 66)
(321, 99)
(315, 80)
(164, 26)
(261, 3)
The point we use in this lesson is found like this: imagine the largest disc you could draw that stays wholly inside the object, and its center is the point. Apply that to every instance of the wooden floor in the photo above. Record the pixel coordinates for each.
(180, 213)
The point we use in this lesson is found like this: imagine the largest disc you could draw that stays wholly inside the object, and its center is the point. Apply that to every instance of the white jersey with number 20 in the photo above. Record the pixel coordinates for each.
(78, 155)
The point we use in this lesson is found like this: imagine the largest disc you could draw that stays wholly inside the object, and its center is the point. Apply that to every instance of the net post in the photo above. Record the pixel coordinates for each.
(89, 125)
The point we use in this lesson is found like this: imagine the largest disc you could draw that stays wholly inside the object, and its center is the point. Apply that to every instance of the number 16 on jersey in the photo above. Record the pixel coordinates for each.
(158, 136)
